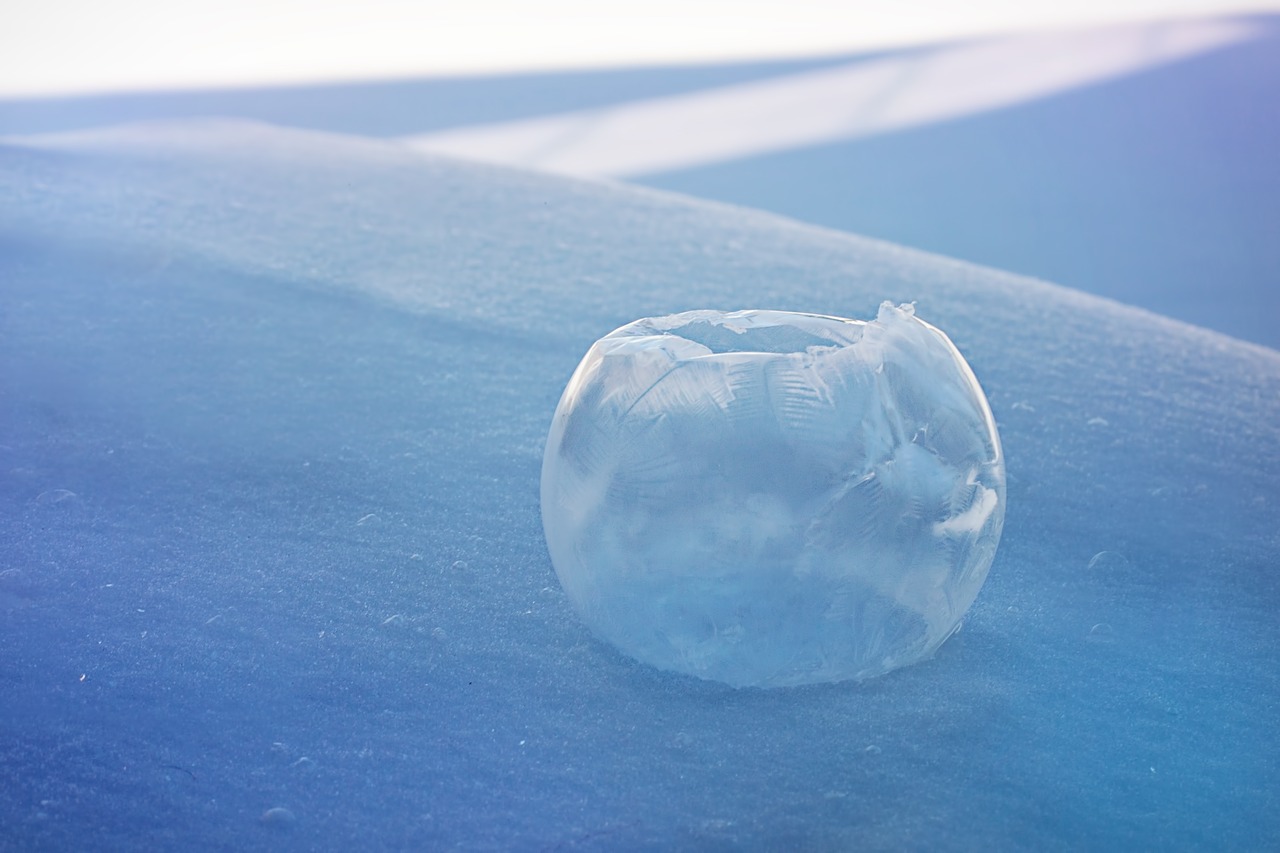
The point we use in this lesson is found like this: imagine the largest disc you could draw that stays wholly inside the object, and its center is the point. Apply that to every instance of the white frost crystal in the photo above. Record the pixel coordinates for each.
(767, 498)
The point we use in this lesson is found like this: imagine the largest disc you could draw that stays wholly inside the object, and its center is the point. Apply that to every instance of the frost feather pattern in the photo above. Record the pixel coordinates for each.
(765, 498)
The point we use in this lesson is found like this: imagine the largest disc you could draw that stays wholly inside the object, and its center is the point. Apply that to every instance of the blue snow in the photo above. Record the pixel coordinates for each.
(1160, 189)
(272, 412)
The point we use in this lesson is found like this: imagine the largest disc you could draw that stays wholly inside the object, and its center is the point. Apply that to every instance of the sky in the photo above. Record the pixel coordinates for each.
(77, 46)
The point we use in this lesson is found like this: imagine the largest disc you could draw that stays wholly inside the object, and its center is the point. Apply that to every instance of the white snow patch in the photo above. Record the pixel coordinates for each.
(855, 100)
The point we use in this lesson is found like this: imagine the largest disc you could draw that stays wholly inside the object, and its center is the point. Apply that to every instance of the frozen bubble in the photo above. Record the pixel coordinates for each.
(461, 573)
(1108, 561)
(53, 497)
(767, 498)
(277, 817)
(1101, 633)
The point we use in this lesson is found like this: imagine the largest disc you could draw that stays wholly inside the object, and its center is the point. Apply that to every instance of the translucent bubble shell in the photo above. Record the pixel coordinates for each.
(765, 498)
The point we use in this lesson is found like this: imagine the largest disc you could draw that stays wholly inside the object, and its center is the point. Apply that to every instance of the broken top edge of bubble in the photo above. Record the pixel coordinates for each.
(755, 331)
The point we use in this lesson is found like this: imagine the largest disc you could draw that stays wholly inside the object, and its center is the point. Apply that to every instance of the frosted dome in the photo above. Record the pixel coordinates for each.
(768, 498)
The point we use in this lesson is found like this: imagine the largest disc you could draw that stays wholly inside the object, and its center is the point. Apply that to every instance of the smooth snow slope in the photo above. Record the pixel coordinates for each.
(1160, 189)
(1135, 162)
(810, 108)
(274, 407)
(392, 108)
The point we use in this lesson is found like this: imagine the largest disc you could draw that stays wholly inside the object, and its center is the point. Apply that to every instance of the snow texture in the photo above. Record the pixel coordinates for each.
(767, 498)
(1159, 189)
(274, 406)
(865, 97)
(1136, 162)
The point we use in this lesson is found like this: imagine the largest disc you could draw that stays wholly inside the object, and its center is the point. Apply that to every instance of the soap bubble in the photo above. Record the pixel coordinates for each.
(767, 498)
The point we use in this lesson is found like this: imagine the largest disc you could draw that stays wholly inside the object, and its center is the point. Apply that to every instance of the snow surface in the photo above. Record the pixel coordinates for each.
(71, 45)
(1136, 162)
(274, 406)
(858, 99)
(767, 498)
(1158, 187)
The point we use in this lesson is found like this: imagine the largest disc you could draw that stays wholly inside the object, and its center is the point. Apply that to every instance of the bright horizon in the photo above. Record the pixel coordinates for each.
(66, 47)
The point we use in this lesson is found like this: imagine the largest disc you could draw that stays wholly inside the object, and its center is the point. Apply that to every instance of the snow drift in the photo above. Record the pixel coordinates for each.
(273, 411)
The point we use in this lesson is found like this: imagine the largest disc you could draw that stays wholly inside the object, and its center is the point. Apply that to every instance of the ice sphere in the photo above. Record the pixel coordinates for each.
(767, 498)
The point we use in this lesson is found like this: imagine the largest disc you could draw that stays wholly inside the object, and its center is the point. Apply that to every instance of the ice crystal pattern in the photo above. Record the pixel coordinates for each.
(766, 498)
